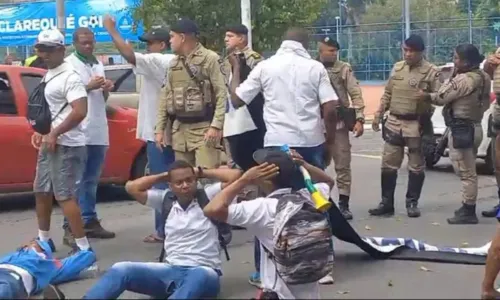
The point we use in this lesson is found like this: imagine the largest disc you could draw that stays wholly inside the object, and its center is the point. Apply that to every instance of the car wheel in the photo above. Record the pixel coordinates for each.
(429, 148)
(140, 165)
(490, 157)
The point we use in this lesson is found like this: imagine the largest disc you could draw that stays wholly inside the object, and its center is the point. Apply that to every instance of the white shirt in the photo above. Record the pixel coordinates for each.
(294, 87)
(191, 239)
(257, 216)
(96, 122)
(237, 120)
(65, 88)
(25, 276)
(153, 69)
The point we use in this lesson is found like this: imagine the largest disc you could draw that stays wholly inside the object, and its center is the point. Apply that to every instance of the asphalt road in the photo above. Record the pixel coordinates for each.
(357, 276)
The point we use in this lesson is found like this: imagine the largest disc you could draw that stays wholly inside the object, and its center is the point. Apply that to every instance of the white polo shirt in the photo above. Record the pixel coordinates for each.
(191, 239)
(96, 122)
(153, 69)
(294, 87)
(258, 216)
(65, 88)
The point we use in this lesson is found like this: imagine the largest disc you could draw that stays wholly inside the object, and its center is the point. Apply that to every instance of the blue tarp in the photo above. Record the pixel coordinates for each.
(21, 23)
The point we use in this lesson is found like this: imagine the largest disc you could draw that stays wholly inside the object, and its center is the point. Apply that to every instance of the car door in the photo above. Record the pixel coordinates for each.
(18, 159)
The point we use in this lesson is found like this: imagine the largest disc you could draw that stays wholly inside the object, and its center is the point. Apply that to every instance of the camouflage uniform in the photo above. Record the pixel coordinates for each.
(346, 86)
(465, 98)
(195, 104)
(403, 128)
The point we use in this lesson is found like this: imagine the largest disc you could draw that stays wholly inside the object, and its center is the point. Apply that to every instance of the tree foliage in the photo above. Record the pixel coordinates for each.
(270, 18)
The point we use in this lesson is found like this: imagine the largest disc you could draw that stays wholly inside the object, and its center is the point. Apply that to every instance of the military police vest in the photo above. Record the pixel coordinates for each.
(496, 82)
(191, 98)
(473, 105)
(405, 86)
(335, 74)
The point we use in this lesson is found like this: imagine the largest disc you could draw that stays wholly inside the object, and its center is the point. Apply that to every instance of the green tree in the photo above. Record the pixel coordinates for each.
(270, 18)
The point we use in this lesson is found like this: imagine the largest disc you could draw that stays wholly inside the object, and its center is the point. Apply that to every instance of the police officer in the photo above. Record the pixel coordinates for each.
(465, 98)
(244, 127)
(403, 125)
(351, 119)
(194, 98)
(491, 67)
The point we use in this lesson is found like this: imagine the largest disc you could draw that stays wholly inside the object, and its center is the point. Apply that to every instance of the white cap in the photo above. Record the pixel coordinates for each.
(51, 38)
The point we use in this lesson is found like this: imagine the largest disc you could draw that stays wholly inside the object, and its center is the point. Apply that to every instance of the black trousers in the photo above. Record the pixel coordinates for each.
(242, 147)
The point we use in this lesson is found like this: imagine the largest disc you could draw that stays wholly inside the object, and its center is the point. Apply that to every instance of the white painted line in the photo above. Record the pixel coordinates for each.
(367, 156)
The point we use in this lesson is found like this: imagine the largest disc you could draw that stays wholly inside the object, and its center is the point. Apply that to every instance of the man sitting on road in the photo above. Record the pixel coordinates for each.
(275, 175)
(32, 268)
(192, 265)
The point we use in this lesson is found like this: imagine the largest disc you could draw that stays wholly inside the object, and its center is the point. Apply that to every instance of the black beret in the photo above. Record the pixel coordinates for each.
(185, 26)
(238, 29)
(330, 42)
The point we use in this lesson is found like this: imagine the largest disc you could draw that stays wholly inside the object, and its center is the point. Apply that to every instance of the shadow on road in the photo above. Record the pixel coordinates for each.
(447, 167)
(23, 201)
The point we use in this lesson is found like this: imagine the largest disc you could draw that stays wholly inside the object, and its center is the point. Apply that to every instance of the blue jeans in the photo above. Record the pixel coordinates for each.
(312, 155)
(158, 162)
(87, 187)
(256, 254)
(11, 288)
(159, 280)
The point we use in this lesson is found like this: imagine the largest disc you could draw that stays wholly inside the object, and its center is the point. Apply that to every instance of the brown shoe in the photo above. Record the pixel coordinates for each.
(93, 229)
(68, 238)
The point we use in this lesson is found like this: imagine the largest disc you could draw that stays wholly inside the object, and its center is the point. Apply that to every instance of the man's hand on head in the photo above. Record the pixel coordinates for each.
(261, 172)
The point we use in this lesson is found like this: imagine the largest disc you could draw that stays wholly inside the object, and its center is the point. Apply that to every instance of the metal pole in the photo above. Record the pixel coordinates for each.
(61, 24)
(470, 20)
(407, 18)
(246, 19)
(337, 25)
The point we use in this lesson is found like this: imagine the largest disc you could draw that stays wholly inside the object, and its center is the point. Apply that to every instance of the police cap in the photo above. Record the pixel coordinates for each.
(238, 29)
(330, 42)
(157, 33)
(185, 26)
(415, 42)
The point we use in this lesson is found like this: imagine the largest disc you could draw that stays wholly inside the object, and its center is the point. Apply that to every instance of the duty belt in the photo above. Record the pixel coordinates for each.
(406, 117)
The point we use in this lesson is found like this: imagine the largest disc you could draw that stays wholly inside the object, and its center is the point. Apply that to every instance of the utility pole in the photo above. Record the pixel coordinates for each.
(407, 18)
(246, 19)
(61, 18)
(469, 5)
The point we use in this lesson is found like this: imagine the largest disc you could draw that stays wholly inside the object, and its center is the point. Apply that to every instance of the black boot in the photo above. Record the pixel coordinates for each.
(415, 184)
(492, 212)
(464, 215)
(388, 185)
(344, 207)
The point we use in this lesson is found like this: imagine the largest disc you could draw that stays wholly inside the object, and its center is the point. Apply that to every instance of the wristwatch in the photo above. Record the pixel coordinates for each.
(360, 120)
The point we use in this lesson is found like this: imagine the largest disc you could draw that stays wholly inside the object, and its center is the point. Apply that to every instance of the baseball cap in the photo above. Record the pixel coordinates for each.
(186, 26)
(158, 33)
(50, 38)
(289, 174)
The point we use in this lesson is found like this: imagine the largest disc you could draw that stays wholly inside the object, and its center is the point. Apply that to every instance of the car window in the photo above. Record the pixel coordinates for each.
(30, 82)
(128, 85)
(7, 101)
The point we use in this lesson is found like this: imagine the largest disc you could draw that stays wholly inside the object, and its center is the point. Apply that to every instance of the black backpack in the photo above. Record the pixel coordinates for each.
(38, 112)
(224, 229)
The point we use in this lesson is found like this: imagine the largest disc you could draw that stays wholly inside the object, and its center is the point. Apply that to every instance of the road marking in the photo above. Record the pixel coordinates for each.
(367, 156)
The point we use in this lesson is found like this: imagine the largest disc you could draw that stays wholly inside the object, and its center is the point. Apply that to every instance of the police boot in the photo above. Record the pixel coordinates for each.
(492, 212)
(415, 183)
(388, 185)
(344, 207)
(464, 215)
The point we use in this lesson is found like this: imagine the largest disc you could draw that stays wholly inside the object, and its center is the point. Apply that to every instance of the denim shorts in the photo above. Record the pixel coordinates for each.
(59, 172)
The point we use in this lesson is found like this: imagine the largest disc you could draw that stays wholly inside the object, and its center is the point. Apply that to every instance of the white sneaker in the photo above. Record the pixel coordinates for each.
(328, 279)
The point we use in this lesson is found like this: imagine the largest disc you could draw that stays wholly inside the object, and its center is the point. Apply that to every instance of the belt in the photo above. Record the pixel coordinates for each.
(406, 117)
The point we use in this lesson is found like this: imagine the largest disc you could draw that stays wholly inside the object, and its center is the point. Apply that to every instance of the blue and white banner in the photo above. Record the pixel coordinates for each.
(21, 23)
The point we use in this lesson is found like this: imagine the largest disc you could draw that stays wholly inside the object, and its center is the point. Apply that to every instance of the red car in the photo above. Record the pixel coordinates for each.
(126, 158)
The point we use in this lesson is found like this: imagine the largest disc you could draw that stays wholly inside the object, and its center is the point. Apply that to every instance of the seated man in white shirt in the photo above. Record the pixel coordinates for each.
(275, 176)
(192, 264)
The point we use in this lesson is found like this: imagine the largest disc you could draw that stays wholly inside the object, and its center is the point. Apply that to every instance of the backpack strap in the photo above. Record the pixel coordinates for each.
(202, 199)
(45, 82)
(168, 202)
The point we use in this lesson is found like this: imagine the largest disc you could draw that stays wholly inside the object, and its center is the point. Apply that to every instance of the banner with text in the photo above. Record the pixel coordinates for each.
(21, 23)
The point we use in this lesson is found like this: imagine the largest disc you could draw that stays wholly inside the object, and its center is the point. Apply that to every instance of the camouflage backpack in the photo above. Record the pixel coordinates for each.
(303, 245)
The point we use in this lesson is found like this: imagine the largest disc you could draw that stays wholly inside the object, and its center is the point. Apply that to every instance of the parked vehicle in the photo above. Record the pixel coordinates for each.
(127, 94)
(126, 158)
(486, 149)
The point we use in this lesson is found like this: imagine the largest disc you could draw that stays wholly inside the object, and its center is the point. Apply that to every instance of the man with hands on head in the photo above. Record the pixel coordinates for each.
(276, 175)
